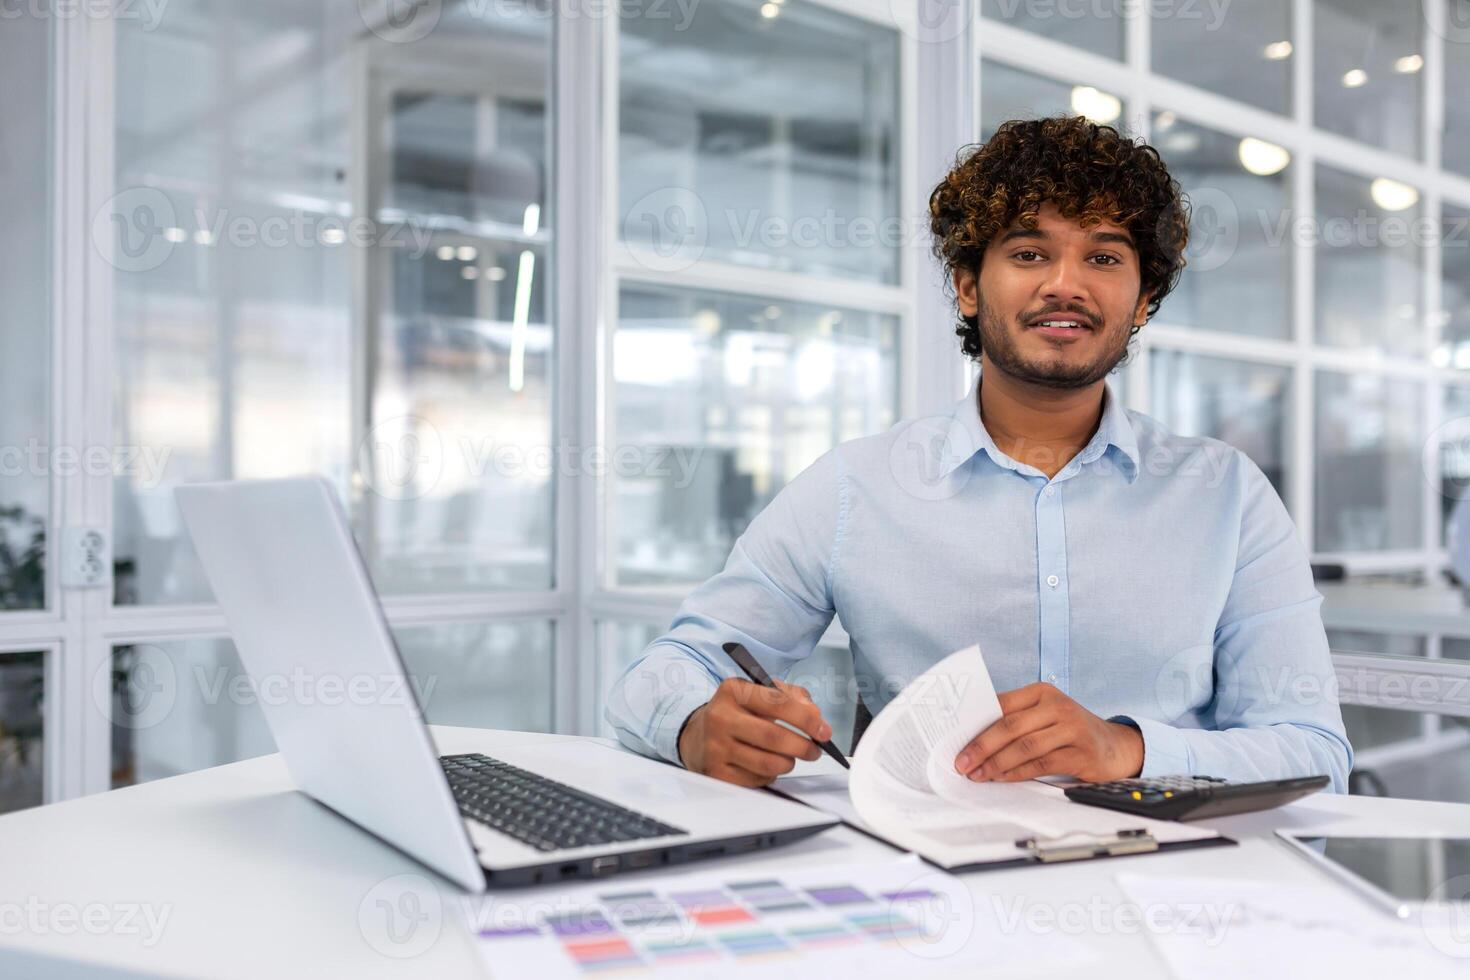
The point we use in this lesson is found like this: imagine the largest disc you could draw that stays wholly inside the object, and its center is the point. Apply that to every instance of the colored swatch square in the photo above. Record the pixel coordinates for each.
(912, 894)
(753, 943)
(684, 951)
(838, 895)
(509, 932)
(698, 899)
(640, 910)
(722, 916)
(588, 922)
(823, 935)
(884, 926)
(603, 954)
(768, 896)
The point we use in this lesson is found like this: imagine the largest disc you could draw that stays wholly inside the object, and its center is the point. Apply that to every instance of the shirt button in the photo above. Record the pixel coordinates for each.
(1051, 678)
(1052, 581)
(1050, 490)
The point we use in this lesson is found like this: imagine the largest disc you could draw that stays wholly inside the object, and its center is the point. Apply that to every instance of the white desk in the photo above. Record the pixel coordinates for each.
(259, 881)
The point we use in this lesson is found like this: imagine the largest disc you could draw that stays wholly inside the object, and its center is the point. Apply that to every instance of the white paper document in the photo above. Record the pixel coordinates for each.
(1215, 928)
(905, 788)
(888, 918)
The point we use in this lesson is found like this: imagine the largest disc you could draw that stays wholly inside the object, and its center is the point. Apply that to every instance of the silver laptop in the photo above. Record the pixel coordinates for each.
(283, 564)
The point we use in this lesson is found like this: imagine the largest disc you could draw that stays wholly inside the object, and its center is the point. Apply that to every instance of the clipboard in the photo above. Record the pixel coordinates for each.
(1035, 851)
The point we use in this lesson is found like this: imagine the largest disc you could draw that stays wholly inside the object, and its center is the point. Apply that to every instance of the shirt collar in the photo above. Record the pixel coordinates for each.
(968, 436)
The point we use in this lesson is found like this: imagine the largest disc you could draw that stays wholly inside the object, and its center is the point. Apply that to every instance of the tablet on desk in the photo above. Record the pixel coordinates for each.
(1400, 874)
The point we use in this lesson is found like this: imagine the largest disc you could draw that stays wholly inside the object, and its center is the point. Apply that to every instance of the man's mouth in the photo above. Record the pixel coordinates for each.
(1060, 325)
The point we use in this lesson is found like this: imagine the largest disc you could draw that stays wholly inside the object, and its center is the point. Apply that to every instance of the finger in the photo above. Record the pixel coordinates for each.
(794, 689)
(777, 705)
(759, 761)
(764, 734)
(1003, 733)
(1023, 697)
(1061, 762)
(1032, 745)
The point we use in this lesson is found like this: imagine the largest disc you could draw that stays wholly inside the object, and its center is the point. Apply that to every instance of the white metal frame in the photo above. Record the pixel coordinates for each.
(939, 106)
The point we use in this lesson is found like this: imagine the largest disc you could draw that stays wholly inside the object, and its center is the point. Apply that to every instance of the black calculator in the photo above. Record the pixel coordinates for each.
(1192, 797)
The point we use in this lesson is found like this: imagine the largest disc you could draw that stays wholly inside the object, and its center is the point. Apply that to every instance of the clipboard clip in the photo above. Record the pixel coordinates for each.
(1069, 848)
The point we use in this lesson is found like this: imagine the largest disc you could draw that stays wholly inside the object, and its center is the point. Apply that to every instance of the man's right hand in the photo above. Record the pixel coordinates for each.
(734, 735)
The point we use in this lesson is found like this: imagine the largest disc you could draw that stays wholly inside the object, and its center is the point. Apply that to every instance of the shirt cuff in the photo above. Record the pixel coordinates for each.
(676, 711)
(1165, 752)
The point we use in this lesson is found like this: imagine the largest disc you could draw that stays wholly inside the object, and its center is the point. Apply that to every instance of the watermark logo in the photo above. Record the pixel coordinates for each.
(37, 918)
(1186, 682)
(927, 454)
(1446, 458)
(1454, 25)
(401, 458)
(1214, 229)
(137, 687)
(132, 229)
(673, 227)
(1445, 917)
(942, 909)
(148, 14)
(401, 916)
(401, 21)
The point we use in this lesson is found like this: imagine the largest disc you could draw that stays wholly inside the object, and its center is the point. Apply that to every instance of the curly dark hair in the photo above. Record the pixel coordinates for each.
(1088, 171)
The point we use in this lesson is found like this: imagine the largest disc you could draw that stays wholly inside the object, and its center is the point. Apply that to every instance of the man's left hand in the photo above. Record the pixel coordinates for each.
(1045, 733)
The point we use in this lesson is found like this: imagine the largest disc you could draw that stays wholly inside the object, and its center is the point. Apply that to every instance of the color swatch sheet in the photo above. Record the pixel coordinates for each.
(889, 916)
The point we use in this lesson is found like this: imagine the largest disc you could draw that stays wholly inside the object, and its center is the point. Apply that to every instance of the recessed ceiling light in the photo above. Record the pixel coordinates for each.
(1354, 78)
(1392, 195)
(1278, 50)
(1408, 64)
(1262, 158)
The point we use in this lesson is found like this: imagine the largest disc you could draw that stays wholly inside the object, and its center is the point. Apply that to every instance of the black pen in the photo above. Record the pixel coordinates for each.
(757, 673)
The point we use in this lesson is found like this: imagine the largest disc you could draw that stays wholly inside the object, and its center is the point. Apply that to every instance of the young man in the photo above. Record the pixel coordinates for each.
(1142, 599)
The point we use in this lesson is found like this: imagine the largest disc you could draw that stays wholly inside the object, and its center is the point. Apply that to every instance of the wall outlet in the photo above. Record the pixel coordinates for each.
(86, 558)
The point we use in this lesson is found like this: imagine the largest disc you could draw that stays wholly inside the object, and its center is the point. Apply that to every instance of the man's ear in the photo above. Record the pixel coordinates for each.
(1140, 312)
(967, 291)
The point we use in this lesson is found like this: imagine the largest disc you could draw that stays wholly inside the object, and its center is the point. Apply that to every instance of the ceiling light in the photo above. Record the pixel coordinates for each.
(1098, 107)
(1355, 78)
(1278, 50)
(1390, 195)
(1261, 158)
(1408, 64)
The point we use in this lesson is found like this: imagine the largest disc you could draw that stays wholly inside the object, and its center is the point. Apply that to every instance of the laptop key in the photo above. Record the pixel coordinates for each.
(539, 811)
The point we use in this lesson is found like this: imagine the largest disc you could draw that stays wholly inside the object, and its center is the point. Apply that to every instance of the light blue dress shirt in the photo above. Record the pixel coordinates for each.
(1156, 580)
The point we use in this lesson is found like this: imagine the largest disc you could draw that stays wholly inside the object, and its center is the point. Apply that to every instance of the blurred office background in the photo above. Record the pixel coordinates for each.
(559, 293)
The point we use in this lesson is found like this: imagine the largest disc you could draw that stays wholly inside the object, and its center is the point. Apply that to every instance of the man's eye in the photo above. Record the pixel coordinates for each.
(1110, 259)
(1025, 255)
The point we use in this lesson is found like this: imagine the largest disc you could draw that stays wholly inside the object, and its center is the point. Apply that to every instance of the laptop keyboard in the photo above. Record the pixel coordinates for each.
(541, 812)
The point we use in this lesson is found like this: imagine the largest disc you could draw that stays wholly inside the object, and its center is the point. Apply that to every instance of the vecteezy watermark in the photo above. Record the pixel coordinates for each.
(1445, 917)
(938, 21)
(941, 909)
(406, 21)
(1454, 25)
(35, 917)
(405, 457)
(1101, 917)
(138, 228)
(1446, 458)
(669, 229)
(145, 465)
(147, 13)
(139, 686)
(401, 916)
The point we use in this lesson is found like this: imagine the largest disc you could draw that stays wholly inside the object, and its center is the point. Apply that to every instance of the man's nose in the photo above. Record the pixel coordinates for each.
(1064, 284)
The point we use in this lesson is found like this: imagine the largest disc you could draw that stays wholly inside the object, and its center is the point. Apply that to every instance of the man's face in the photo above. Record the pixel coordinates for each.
(1056, 303)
